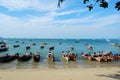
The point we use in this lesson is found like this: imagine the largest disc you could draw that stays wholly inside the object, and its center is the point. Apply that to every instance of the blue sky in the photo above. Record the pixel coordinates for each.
(42, 19)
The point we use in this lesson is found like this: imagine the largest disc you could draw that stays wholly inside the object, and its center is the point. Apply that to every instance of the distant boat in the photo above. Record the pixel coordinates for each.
(34, 43)
(17, 41)
(71, 47)
(27, 47)
(86, 44)
(44, 43)
(89, 47)
(60, 43)
(77, 41)
(16, 45)
(42, 46)
(51, 48)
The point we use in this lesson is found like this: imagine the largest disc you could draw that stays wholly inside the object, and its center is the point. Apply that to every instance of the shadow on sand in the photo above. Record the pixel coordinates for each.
(115, 76)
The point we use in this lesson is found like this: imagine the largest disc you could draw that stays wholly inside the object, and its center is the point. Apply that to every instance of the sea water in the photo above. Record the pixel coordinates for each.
(78, 44)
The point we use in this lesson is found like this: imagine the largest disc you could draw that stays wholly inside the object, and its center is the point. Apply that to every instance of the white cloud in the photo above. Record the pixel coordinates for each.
(40, 5)
(54, 13)
(48, 27)
(106, 20)
(93, 20)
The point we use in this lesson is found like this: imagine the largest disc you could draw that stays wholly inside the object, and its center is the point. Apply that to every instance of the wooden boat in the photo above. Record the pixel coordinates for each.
(69, 57)
(51, 57)
(65, 58)
(25, 57)
(116, 56)
(7, 58)
(2, 49)
(73, 57)
(3, 46)
(87, 56)
(36, 57)
(98, 57)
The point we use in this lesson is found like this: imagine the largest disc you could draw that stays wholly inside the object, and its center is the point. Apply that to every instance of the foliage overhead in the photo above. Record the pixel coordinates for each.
(90, 7)
(59, 2)
(117, 6)
(103, 4)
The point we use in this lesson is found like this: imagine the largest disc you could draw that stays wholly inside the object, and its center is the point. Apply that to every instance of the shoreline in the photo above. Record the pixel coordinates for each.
(61, 68)
(105, 73)
(61, 65)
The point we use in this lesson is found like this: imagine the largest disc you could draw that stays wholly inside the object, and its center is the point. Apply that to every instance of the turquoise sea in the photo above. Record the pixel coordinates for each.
(78, 44)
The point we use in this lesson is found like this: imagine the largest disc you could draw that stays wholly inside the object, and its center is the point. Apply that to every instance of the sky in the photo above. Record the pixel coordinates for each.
(43, 19)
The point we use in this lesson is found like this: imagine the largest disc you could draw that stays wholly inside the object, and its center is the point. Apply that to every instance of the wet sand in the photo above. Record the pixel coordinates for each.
(104, 73)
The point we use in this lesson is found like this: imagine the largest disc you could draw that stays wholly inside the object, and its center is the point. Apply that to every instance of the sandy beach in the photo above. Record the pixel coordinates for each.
(106, 73)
